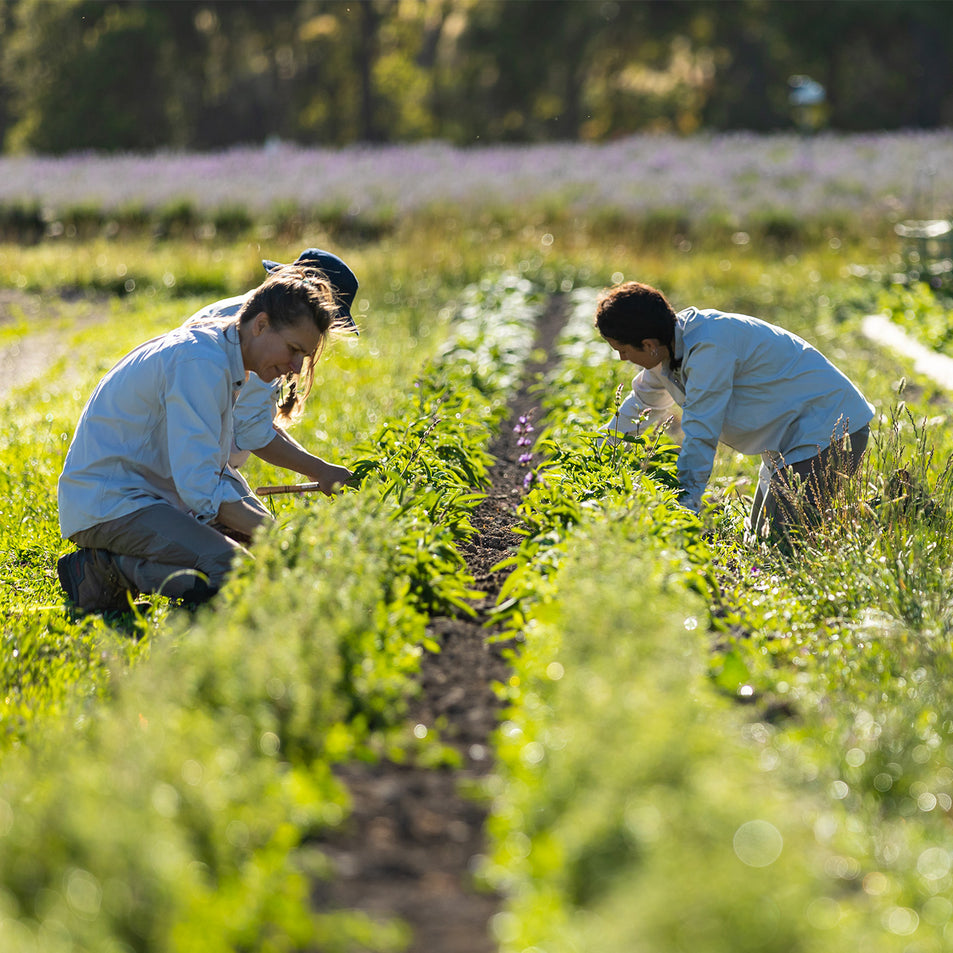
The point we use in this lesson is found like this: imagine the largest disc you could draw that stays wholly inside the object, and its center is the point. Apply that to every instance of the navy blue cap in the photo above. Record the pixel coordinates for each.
(343, 280)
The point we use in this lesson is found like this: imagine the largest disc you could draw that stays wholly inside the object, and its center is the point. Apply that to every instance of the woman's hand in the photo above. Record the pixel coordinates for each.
(328, 476)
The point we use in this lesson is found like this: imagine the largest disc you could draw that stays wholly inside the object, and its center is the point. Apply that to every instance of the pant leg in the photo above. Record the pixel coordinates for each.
(756, 518)
(160, 549)
(800, 493)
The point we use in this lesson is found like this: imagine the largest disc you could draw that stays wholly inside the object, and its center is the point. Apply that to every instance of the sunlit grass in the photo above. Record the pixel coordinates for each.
(835, 655)
(842, 650)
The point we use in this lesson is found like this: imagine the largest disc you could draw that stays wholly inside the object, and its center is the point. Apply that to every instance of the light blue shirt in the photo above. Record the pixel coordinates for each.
(748, 384)
(257, 402)
(157, 428)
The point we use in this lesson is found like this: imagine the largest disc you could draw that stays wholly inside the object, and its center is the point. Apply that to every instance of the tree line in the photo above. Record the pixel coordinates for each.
(205, 74)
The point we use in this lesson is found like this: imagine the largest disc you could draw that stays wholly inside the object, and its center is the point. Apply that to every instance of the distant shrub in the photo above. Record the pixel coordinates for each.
(232, 220)
(21, 222)
(176, 219)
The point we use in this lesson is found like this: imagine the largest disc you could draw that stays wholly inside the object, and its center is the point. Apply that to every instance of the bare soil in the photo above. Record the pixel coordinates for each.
(409, 846)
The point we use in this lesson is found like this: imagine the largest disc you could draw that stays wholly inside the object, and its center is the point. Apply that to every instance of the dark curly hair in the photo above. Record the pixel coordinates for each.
(632, 312)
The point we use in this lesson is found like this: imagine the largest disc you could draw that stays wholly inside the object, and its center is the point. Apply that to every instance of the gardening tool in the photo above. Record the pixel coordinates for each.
(289, 488)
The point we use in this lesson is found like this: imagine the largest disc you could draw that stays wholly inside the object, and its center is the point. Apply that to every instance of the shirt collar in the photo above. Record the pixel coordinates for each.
(678, 344)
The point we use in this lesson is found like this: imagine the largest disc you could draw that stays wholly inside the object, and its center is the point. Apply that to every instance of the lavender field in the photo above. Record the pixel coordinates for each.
(731, 179)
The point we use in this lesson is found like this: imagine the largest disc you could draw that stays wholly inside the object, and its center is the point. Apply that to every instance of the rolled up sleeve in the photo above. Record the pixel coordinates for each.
(647, 405)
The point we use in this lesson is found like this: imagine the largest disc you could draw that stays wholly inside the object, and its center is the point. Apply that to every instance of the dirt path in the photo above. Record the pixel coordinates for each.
(23, 361)
(28, 358)
(408, 848)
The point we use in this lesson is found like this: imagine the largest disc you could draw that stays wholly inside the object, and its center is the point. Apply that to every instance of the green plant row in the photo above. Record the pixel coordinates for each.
(431, 462)
(173, 811)
(170, 817)
(634, 809)
(628, 812)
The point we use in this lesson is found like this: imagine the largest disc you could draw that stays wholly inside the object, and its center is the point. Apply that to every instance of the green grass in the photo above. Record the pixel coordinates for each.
(209, 739)
(621, 774)
(806, 699)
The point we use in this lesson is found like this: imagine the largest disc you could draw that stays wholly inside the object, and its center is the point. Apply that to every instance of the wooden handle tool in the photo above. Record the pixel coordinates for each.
(289, 488)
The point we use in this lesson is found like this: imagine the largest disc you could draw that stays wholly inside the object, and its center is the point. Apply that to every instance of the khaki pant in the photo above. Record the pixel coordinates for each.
(162, 550)
(800, 493)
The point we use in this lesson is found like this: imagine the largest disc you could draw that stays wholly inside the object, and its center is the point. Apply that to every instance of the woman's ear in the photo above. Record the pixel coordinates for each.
(259, 323)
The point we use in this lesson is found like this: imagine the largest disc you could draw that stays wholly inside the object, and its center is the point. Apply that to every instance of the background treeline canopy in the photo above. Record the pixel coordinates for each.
(204, 74)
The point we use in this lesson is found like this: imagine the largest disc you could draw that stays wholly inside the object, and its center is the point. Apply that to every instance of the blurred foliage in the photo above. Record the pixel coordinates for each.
(211, 73)
(922, 311)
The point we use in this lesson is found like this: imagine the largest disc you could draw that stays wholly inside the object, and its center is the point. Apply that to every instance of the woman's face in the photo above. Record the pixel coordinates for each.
(273, 352)
(649, 355)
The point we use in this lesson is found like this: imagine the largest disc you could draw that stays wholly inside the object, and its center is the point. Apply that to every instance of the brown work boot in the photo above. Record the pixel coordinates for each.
(92, 582)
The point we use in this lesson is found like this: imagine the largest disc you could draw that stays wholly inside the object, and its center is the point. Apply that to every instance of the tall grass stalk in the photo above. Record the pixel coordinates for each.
(885, 547)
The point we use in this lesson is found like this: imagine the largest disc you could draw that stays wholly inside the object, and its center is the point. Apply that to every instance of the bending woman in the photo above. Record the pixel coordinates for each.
(144, 491)
(745, 383)
(263, 411)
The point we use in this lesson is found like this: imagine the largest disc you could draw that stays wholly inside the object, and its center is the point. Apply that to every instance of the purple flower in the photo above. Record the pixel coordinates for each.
(523, 428)
(743, 173)
(526, 458)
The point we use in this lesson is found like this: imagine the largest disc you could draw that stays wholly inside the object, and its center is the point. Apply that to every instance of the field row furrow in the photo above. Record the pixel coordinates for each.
(505, 692)
(191, 797)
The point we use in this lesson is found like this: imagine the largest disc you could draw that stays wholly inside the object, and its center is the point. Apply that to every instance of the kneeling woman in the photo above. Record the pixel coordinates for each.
(743, 382)
(143, 491)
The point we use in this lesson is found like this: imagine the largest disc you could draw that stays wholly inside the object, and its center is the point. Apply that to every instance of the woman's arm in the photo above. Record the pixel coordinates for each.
(238, 515)
(285, 452)
(647, 405)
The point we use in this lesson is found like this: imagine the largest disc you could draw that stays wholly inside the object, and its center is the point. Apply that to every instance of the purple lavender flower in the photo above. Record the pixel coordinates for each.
(532, 478)
(523, 428)
(743, 174)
